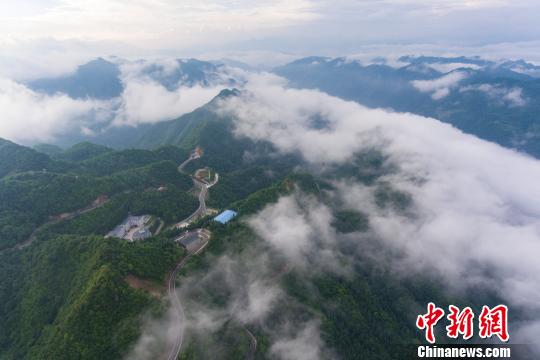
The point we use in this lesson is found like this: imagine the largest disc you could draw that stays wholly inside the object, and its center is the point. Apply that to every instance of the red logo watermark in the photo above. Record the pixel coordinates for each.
(491, 322)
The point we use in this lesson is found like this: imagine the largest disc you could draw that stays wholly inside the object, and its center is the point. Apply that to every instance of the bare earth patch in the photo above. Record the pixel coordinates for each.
(151, 287)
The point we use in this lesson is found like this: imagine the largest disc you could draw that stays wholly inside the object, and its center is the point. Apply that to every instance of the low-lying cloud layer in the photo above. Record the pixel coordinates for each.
(511, 96)
(32, 117)
(146, 101)
(476, 216)
(28, 116)
(440, 87)
(154, 91)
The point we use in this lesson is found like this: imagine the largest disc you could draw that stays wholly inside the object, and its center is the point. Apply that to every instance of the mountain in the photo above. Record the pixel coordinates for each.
(68, 298)
(494, 101)
(107, 80)
(48, 149)
(16, 158)
(186, 72)
(81, 151)
(102, 79)
(99, 79)
(31, 199)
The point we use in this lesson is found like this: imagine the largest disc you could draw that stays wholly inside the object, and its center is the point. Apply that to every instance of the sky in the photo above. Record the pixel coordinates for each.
(68, 31)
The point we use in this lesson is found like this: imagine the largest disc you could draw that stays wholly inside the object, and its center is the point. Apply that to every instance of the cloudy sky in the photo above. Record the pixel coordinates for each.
(47, 38)
(79, 28)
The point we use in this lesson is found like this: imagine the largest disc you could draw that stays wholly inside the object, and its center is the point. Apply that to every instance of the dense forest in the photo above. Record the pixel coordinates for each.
(30, 199)
(65, 295)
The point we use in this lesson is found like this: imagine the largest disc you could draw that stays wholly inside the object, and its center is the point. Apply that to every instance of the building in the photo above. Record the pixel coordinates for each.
(141, 234)
(225, 216)
(190, 241)
(132, 228)
(194, 240)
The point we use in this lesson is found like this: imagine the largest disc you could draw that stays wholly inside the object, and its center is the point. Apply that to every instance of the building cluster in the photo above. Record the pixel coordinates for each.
(132, 228)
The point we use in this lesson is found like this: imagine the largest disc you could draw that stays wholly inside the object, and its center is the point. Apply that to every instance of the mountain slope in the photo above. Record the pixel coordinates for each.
(16, 158)
(98, 79)
(31, 199)
(81, 151)
(496, 102)
(67, 297)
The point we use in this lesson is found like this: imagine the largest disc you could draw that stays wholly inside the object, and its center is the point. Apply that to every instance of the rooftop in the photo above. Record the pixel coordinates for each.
(188, 238)
(225, 216)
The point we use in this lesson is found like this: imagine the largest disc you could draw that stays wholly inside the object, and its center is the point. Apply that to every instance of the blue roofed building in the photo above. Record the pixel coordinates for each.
(225, 216)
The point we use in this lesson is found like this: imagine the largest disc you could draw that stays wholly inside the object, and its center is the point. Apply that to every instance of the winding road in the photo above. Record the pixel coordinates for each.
(252, 345)
(178, 311)
(174, 348)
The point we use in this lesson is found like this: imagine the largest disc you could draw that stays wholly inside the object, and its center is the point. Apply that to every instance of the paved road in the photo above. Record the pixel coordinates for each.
(176, 346)
(201, 210)
(204, 186)
(252, 346)
(192, 156)
(160, 227)
(178, 311)
(179, 315)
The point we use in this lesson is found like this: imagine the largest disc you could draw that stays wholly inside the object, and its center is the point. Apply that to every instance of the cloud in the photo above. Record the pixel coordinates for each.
(30, 117)
(528, 50)
(30, 59)
(258, 59)
(475, 217)
(240, 290)
(282, 222)
(511, 96)
(440, 87)
(261, 297)
(147, 101)
(514, 97)
(300, 228)
(192, 28)
(305, 344)
(160, 89)
(155, 333)
(153, 24)
(153, 91)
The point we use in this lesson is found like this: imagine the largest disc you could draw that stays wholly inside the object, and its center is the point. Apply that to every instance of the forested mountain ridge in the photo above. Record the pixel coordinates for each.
(16, 158)
(31, 198)
(66, 297)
